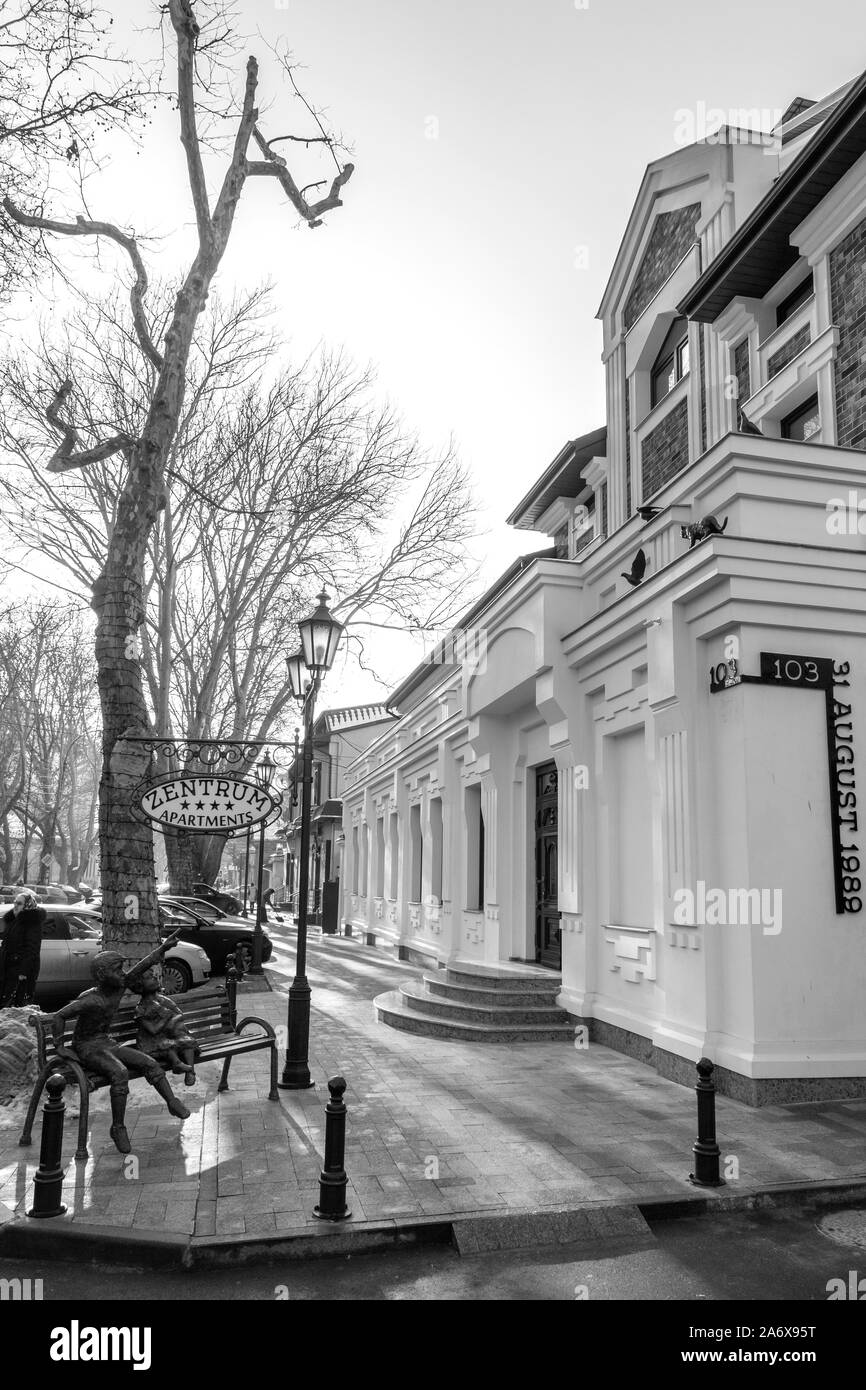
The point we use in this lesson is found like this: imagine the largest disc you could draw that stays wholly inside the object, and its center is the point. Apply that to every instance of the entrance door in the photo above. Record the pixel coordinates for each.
(548, 949)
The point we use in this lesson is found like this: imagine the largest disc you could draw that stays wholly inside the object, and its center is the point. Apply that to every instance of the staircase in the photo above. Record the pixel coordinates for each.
(480, 1003)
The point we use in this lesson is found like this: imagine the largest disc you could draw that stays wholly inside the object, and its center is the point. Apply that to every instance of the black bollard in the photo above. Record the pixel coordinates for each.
(705, 1148)
(232, 977)
(48, 1182)
(332, 1179)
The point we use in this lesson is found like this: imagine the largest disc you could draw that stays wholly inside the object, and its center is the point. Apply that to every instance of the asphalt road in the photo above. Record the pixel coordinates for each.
(755, 1257)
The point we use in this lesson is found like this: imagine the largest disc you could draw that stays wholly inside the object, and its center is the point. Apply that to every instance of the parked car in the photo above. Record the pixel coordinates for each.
(71, 938)
(226, 902)
(207, 909)
(218, 935)
(45, 892)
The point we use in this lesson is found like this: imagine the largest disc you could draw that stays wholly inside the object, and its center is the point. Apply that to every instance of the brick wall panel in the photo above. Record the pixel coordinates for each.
(848, 310)
(665, 450)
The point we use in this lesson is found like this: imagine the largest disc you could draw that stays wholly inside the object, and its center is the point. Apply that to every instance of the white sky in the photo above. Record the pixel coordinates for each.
(452, 265)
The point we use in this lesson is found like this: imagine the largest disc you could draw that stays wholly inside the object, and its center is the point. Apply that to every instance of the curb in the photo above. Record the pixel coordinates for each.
(473, 1233)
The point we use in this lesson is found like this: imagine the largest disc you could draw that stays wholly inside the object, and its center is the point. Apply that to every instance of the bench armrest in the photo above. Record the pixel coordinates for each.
(263, 1023)
(42, 1024)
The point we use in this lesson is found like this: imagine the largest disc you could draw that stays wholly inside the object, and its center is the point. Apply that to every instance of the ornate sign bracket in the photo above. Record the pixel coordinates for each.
(215, 797)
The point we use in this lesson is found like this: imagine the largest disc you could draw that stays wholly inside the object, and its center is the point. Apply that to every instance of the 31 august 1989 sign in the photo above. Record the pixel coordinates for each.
(207, 804)
(820, 673)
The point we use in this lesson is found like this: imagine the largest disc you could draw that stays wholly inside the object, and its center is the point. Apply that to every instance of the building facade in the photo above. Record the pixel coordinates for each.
(338, 736)
(635, 762)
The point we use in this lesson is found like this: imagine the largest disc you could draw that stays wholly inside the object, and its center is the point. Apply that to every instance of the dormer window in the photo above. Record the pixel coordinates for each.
(672, 363)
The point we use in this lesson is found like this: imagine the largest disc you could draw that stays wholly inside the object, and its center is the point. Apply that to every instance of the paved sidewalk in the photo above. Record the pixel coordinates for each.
(436, 1129)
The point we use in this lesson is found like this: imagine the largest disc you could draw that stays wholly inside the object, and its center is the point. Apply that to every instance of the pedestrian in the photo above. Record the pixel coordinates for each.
(20, 949)
(269, 906)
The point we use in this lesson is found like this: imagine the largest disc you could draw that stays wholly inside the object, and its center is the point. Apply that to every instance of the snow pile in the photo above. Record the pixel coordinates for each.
(17, 1060)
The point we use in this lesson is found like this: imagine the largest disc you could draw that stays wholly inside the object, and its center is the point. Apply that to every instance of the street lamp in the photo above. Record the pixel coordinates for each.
(320, 637)
(263, 773)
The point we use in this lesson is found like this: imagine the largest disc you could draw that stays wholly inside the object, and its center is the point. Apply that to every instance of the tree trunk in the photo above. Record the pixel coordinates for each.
(208, 856)
(129, 907)
(181, 862)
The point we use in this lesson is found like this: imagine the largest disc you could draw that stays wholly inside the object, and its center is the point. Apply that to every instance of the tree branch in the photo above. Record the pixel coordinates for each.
(236, 173)
(187, 31)
(64, 458)
(274, 165)
(84, 227)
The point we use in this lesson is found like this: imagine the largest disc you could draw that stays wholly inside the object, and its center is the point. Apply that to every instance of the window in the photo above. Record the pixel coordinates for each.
(379, 889)
(474, 849)
(802, 423)
(560, 542)
(364, 870)
(395, 857)
(56, 928)
(789, 306)
(436, 847)
(417, 845)
(584, 524)
(672, 363)
(81, 926)
(356, 868)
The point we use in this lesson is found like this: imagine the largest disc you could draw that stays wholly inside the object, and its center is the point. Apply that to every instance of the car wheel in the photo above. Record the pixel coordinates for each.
(244, 958)
(176, 977)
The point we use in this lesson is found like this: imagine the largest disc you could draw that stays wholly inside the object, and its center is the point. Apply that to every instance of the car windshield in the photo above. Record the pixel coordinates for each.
(205, 909)
(173, 913)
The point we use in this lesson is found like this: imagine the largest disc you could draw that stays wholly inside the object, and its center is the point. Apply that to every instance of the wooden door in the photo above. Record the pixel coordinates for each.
(548, 950)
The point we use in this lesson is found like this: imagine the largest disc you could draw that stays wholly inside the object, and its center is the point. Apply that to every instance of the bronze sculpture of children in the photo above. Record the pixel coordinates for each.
(93, 1046)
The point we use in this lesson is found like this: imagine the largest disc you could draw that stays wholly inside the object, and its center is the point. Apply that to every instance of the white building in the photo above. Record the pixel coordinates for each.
(651, 787)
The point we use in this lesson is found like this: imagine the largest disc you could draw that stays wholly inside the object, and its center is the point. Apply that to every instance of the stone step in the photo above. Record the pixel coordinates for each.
(519, 1011)
(485, 994)
(505, 975)
(392, 1008)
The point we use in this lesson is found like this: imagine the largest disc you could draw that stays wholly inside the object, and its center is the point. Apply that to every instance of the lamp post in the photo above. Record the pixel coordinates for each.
(263, 773)
(317, 875)
(320, 637)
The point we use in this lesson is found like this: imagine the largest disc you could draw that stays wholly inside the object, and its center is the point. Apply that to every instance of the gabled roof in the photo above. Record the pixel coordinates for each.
(797, 107)
(564, 478)
(760, 251)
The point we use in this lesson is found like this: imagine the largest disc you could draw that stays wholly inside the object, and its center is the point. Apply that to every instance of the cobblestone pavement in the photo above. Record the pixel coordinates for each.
(435, 1128)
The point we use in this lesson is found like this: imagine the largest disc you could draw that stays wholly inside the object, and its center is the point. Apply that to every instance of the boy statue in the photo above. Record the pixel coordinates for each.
(93, 1046)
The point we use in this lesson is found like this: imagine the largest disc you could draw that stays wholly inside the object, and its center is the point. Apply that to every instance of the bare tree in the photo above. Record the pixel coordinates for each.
(118, 594)
(303, 481)
(62, 86)
(50, 717)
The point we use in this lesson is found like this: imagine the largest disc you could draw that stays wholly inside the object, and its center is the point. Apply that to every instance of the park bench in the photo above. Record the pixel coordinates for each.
(210, 1016)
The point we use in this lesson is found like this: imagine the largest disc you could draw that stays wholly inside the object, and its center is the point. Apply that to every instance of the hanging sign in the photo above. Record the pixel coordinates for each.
(820, 673)
(208, 804)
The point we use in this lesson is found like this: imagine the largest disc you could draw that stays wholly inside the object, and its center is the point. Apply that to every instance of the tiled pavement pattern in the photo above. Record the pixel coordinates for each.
(435, 1128)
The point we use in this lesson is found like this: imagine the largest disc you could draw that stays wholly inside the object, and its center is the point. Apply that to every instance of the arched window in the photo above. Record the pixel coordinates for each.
(672, 362)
